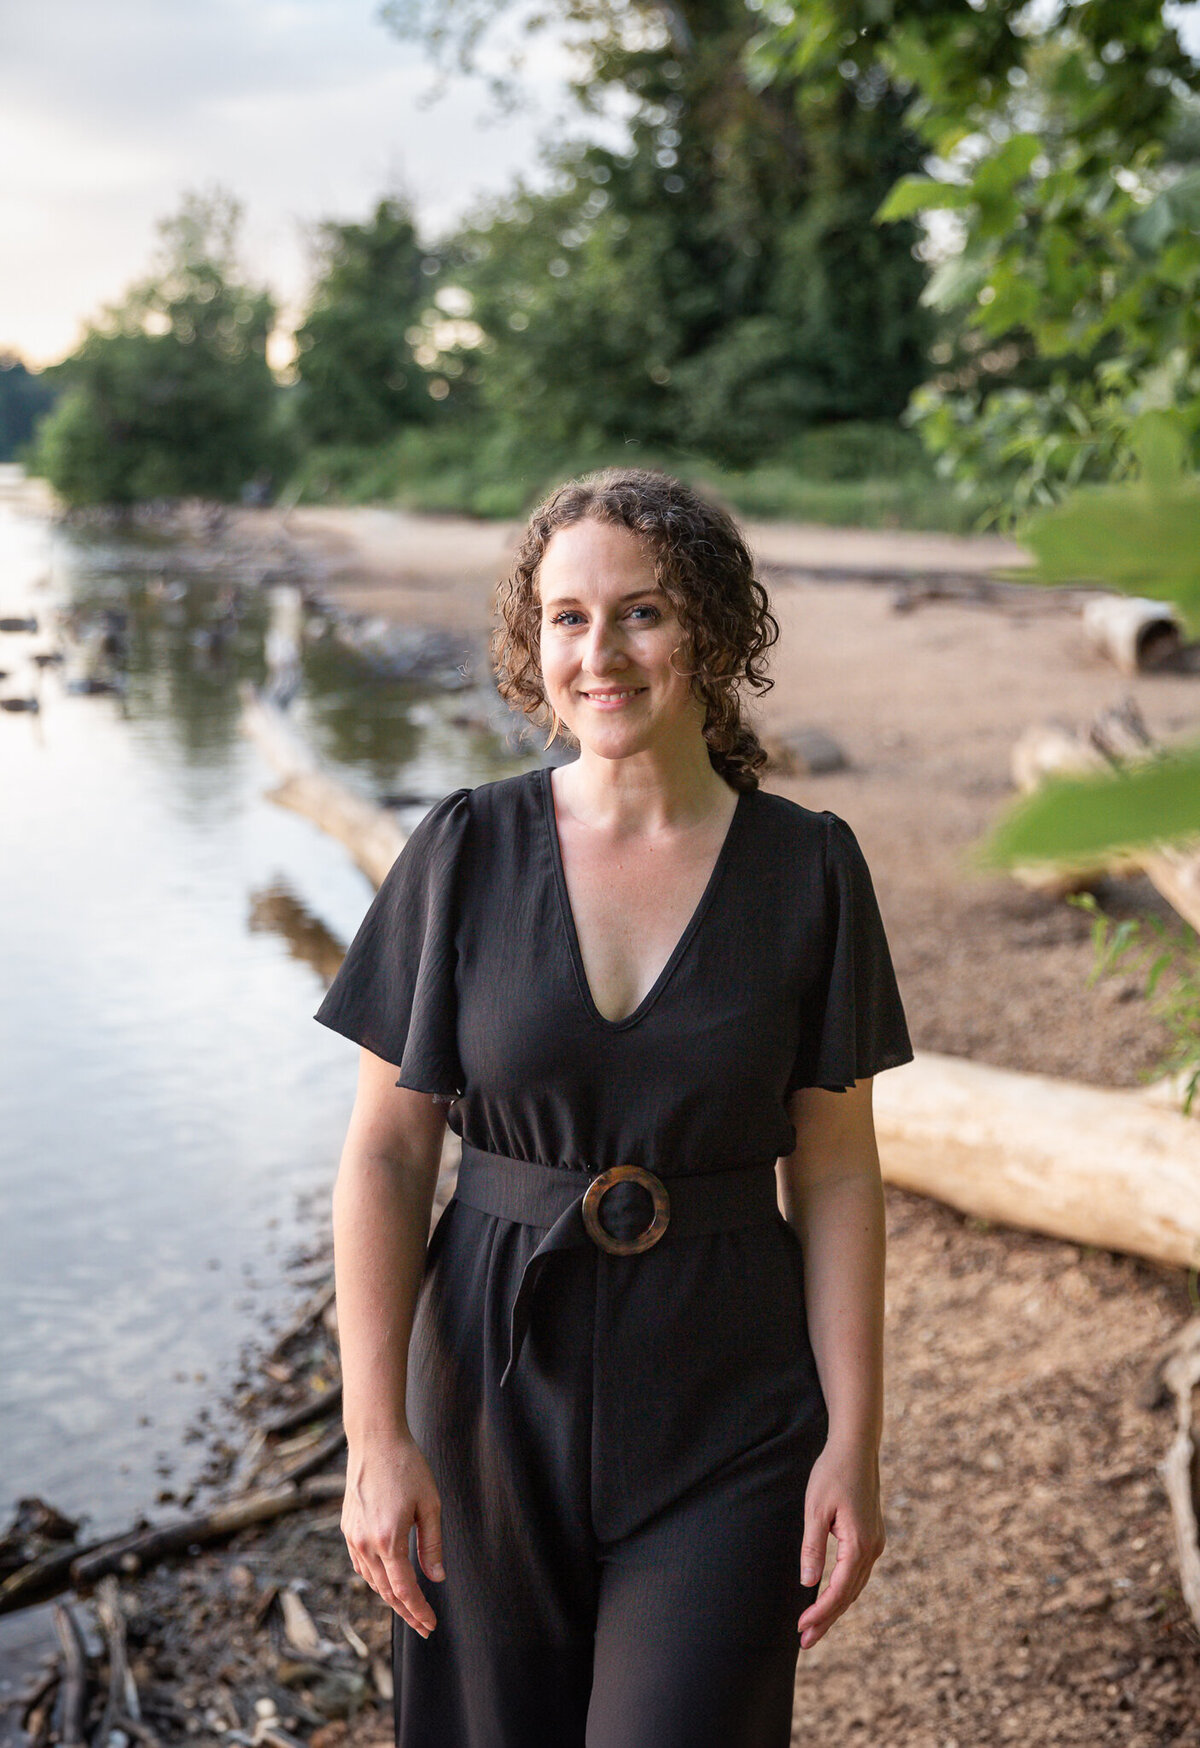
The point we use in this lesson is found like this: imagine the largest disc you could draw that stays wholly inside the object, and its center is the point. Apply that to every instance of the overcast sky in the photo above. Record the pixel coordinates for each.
(305, 109)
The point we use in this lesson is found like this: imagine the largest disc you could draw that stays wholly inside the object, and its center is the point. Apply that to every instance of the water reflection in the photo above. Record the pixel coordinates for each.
(276, 911)
(166, 1103)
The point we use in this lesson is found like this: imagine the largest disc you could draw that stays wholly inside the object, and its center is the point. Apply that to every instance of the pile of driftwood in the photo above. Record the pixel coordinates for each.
(285, 1668)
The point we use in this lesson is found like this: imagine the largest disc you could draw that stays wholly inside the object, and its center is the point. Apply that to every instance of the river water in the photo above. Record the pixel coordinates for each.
(170, 1115)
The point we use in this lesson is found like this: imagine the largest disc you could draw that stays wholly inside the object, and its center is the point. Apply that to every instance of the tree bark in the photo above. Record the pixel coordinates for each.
(1084, 1163)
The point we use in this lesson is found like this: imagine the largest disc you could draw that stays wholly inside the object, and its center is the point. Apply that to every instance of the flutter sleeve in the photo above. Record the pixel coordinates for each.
(861, 1028)
(395, 991)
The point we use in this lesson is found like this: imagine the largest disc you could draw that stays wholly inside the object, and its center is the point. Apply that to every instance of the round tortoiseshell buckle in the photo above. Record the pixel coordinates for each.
(599, 1188)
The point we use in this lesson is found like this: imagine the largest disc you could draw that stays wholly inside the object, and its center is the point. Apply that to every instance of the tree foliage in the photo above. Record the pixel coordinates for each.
(1061, 140)
(170, 394)
(360, 380)
(718, 285)
(24, 398)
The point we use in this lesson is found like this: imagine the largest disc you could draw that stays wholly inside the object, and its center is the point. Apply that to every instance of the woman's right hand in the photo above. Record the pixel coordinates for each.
(389, 1487)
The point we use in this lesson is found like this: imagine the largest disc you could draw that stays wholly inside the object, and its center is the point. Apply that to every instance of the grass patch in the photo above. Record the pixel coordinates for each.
(852, 475)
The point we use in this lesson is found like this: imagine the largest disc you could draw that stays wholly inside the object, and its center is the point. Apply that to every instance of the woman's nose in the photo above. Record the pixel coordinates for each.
(604, 648)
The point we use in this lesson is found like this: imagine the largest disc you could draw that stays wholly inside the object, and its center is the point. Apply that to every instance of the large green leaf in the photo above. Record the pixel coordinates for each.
(1142, 538)
(920, 194)
(1176, 209)
(957, 281)
(1083, 819)
(999, 174)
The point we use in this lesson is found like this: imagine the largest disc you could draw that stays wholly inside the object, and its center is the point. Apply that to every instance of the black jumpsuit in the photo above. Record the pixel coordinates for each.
(623, 1482)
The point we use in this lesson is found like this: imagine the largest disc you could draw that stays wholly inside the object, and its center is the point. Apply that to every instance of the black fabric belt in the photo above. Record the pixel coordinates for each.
(624, 1210)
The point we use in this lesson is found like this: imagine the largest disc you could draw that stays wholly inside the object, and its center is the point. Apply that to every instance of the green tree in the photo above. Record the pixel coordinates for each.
(24, 398)
(359, 380)
(1062, 142)
(170, 394)
(719, 285)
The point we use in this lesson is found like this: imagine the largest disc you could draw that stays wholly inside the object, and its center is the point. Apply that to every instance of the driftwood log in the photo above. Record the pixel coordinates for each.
(1181, 1373)
(73, 1692)
(369, 833)
(1133, 631)
(126, 1553)
(121, 1701)
(84, 1567)
(1118, 737)
(1084, 1163)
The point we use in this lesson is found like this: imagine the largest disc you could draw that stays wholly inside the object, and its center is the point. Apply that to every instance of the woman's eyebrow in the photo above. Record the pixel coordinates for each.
(573, 600)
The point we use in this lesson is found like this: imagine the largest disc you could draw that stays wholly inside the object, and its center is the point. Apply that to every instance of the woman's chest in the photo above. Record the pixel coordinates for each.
(719, 1024)
(626, 908)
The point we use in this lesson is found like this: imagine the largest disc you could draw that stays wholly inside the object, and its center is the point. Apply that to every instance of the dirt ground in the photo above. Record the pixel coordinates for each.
(1029, 1591)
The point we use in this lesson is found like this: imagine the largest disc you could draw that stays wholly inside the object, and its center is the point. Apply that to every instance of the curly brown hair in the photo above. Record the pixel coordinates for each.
(703, 566)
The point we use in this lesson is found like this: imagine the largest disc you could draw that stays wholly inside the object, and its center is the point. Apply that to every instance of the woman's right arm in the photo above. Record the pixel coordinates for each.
(382, 1202)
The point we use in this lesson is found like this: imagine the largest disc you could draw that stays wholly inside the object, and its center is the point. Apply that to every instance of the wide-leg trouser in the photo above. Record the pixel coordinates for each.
(622, 1523)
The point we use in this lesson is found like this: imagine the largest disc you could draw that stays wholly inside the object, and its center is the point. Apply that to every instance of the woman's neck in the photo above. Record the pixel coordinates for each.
(663, 789)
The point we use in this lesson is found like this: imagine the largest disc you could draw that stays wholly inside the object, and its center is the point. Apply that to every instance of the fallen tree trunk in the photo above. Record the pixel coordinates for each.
(129, 1553)
(1181, 1373)
(370, 833)
(1174, 869)
(85, 1566)
(1084, 1163)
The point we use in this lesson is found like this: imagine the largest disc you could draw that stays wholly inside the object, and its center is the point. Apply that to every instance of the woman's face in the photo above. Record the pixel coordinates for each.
(607, 633)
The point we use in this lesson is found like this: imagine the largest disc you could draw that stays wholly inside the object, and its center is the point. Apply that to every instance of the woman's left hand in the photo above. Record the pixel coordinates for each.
(842, 1500)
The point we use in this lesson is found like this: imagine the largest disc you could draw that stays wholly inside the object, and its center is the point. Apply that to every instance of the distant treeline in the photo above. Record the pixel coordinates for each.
(721, 296)
(24, 398)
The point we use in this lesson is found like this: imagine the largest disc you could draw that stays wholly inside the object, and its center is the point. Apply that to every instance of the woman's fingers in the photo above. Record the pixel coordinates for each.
(393, 1577)
(394, 1490)
(849, 1575)
(820, 1615)
(429, 1537)
(816, 1540)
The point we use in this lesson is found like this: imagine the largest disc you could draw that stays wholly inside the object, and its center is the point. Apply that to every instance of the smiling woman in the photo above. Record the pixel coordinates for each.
(617, 1406)
(676, 566)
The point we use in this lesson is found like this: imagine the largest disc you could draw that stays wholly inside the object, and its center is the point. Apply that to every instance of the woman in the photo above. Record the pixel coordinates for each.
(601, 1429)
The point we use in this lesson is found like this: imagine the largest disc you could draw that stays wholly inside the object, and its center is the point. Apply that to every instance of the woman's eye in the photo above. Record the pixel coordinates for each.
(568, 615)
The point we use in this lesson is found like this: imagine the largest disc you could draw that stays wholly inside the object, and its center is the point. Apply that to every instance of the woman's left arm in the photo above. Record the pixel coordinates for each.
(832, 1193)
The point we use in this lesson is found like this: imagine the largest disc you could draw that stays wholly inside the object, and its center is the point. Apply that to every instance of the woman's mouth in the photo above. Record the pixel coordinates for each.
(613, 697)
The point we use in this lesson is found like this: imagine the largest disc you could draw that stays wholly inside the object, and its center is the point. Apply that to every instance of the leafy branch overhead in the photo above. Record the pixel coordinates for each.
(1063, 197)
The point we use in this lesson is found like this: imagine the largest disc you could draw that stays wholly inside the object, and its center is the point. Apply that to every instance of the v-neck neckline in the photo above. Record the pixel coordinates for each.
(568, 915)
